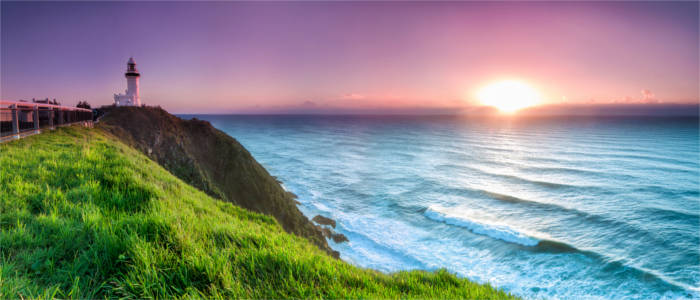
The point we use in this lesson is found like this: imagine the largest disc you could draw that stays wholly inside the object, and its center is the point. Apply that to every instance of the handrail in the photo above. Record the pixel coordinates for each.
(34, 104)
(19, 119)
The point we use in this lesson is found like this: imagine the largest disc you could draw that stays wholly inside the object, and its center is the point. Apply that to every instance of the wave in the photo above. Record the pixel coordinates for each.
(591, 219)
(665, 192)
(547, 185)
(586, 173)
(670, 214)
(501, 232)
(545, 206)
(628, 156)
(508, 234)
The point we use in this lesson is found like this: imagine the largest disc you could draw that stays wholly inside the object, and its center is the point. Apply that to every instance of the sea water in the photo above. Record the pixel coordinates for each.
(540, 207)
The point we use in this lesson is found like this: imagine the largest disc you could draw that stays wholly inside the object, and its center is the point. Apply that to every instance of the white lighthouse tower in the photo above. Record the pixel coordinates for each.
(131, 95)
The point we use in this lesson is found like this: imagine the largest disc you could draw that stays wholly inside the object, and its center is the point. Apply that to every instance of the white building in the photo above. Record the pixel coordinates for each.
(131, 95)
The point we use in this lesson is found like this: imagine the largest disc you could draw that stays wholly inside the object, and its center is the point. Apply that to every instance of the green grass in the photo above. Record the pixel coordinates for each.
(85, 216)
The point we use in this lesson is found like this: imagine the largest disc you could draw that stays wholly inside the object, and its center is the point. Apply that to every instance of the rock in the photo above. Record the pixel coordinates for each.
(327, 232)
(330, 234)
(339, 237)
(293, 196)
(324, 221)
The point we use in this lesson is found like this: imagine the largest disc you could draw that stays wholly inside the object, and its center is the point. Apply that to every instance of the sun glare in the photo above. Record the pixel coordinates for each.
(509, 96)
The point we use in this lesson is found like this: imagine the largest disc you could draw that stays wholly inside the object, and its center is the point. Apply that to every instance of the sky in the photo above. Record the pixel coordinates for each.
(277, 57)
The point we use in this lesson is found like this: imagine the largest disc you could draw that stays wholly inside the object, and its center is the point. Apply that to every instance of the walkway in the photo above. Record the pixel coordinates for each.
(20, 119)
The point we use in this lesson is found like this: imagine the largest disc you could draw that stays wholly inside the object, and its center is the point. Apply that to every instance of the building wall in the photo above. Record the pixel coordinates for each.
(132, 89)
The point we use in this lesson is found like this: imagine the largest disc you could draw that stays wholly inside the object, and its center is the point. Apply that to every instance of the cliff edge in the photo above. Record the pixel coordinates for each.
(212, 161)
(85, 216)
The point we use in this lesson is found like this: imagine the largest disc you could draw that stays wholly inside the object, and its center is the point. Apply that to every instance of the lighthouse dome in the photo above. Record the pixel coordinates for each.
(131, 61)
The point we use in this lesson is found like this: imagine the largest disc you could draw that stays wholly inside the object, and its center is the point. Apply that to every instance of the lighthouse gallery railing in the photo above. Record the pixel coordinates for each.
(18, 119)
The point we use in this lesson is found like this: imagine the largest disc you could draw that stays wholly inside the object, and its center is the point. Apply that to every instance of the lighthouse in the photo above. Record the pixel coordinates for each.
(131, 95)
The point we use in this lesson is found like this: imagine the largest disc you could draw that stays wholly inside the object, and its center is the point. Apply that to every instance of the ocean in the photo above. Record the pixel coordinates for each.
(581, 207)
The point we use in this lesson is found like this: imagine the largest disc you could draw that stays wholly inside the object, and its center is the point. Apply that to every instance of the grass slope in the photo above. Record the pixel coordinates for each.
(85, 216)
(211, 161)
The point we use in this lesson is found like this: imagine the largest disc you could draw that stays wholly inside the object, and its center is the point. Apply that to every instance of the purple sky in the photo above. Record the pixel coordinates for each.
(219, 57)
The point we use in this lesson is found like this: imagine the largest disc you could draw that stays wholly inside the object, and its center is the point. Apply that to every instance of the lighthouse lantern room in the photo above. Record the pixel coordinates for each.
(131, 95)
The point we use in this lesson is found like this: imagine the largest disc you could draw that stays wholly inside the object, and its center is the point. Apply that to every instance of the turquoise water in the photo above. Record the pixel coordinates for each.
(554, 208)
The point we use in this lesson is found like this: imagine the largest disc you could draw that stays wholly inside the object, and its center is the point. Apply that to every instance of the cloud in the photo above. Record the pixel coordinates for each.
(648, 97)
(353, 96)
(308, 103)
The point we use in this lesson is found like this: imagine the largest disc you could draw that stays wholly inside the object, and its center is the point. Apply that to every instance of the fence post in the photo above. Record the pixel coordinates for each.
(36, 118)
(51, 113)
(60, 116)
(15, 119)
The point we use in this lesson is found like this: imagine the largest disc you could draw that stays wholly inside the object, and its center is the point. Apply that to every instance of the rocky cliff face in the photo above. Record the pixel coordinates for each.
(211, 161)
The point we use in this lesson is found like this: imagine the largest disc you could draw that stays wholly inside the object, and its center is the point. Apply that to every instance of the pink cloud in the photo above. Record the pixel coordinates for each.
(648, 97)
(353, 96)
(308, 103)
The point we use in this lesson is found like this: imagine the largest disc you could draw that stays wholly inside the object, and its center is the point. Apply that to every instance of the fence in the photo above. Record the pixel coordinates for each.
(19, 119)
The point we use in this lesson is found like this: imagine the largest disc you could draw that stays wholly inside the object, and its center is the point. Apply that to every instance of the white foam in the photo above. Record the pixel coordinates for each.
(501, 232)
(322, 207)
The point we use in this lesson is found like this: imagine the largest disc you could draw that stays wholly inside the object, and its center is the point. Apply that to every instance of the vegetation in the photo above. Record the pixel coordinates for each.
(83, 104)
(83, 215)
(211, 161)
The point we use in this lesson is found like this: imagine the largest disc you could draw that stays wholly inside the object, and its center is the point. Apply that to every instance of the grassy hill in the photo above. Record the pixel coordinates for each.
(83, 215)
(211, 161)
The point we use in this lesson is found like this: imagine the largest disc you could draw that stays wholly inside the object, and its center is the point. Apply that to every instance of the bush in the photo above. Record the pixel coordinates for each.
(83, 104)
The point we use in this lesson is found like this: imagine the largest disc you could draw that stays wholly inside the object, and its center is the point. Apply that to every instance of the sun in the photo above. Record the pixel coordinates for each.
(509, 96)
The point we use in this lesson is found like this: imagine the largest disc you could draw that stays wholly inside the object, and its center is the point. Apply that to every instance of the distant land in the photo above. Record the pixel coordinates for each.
(609, 109)
(661, 109)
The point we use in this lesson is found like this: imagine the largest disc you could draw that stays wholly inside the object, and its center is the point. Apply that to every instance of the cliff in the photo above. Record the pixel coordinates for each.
(211, 161)
(85, 216)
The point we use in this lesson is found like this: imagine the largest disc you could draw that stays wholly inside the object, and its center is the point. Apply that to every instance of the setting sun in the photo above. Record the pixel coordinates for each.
(508, 96)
